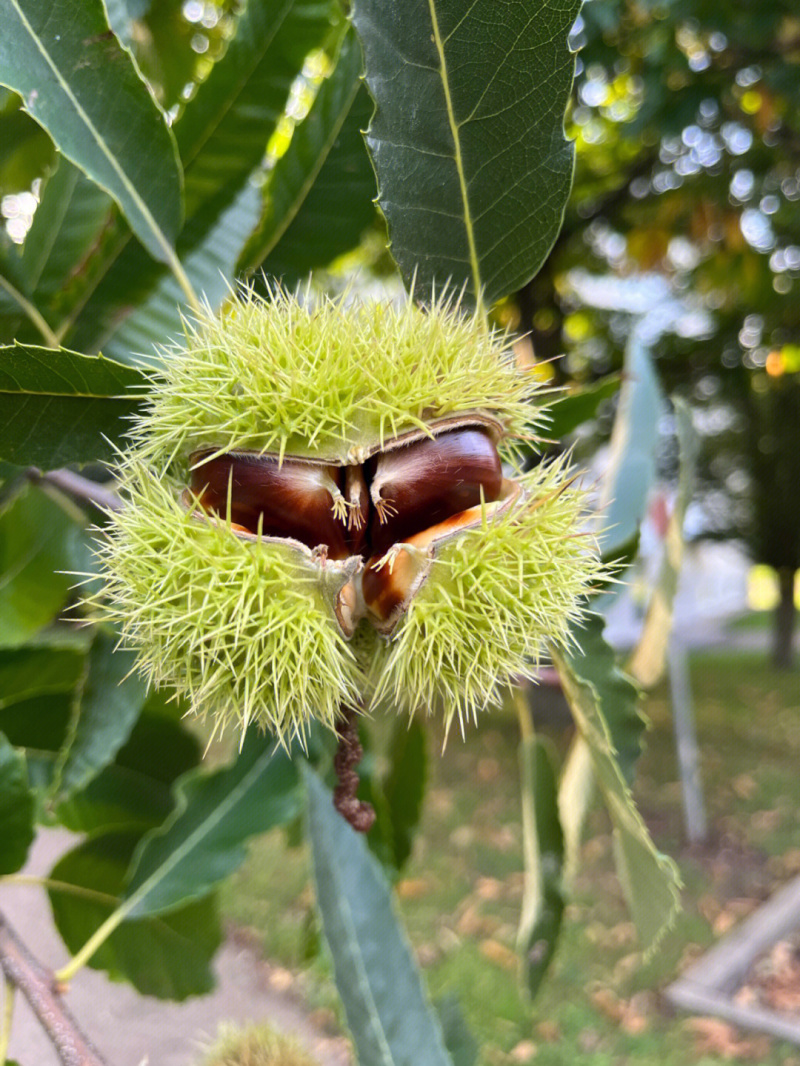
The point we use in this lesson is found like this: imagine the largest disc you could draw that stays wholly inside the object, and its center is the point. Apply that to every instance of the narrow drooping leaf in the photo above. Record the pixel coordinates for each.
(595, 661)
(209, 248)
(404, 787)
(16, 809)
(35, 550)
(390, 1018)
(576, 791)
(473, 166)
(595, 692)
(82, 86)
(68, 222)
(223, 133)
(167, 956)
(631, 467)
(56, 407)
(647, 661)
(578, 406)
(323, 183)
(215, 815)
(106, 708)
(543, 848)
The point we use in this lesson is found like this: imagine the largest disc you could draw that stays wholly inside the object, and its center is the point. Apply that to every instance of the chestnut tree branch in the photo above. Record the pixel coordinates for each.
(82, 488)
(37, 984)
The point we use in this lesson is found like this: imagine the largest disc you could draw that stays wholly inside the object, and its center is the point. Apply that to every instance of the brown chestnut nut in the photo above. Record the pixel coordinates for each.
(421, 484)
(291, 499)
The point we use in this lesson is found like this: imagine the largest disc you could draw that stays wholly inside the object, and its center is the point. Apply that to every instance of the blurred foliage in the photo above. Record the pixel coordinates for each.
(687, 125)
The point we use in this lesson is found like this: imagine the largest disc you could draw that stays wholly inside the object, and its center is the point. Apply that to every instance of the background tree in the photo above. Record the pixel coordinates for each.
(687, 124)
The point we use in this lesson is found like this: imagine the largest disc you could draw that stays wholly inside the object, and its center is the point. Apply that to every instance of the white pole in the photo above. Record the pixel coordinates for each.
(694, 810)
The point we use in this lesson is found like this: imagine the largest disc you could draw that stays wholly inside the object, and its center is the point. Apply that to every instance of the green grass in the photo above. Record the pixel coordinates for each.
(460, 894)
(753, 622)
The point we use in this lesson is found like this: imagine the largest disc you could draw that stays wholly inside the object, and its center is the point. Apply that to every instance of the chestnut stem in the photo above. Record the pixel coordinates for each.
(360, 815)
(38, 985)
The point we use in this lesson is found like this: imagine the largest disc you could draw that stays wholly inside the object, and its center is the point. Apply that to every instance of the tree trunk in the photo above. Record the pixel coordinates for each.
(783, 632)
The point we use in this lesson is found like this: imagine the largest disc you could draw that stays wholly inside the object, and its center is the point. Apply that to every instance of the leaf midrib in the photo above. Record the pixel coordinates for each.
(158, 875)
(158, 233)
(458, 159)
(70, 395)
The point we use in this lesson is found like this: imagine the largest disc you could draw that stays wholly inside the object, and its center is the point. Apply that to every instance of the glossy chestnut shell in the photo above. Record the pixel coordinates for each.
(410, 493)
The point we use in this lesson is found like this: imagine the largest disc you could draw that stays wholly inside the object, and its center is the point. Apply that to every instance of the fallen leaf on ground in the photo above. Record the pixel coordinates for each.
(413, 888)
(715, 1037)
(524, 1051)
(499, 954)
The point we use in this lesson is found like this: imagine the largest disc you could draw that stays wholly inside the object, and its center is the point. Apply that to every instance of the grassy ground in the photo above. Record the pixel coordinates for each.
(460, 894)
(753, 622)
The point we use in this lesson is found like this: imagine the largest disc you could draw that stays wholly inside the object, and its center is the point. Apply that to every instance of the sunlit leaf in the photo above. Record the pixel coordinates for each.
(318, 200)
(84, 89)
(222, 133)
